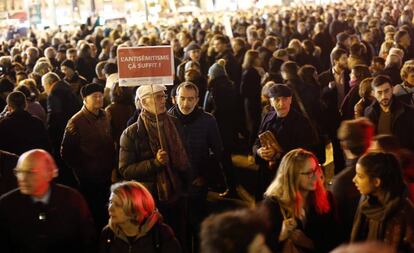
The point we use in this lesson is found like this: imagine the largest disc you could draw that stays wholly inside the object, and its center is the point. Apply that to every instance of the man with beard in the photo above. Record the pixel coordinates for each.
(389, 115)
(335, 85)
(202, 136)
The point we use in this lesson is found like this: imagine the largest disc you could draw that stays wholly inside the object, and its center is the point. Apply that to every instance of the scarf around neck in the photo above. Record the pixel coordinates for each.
(371, 217)
(187, 119)
(168, 184)
(142, 229)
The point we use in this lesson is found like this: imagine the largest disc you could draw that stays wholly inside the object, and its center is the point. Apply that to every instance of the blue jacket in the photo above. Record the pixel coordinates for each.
(201, 134)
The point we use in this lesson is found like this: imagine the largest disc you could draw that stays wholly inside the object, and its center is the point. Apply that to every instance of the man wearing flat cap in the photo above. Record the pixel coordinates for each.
(161, 165)
(88, 148)
(290, 129)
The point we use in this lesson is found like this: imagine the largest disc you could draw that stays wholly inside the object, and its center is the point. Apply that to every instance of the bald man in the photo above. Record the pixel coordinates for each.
(41, 216)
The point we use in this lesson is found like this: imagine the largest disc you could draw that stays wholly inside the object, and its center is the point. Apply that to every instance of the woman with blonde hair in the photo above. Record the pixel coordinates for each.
(298, 207)
(134, 223)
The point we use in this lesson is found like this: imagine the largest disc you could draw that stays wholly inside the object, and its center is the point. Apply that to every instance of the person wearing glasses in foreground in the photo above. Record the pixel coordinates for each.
(42, 216)
(384, 212)
(300, 211)
(135, 225)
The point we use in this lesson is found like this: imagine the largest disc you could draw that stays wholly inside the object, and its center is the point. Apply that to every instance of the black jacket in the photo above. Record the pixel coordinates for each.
(346, 197)
(233, 69)
(62, 104)
(160, 239)
(221, 101)
(21, 132)
(329, 98)
(402, 121)
(67, 226)
(320, 228)
(292, 131)
(201, 135)
(8, 180)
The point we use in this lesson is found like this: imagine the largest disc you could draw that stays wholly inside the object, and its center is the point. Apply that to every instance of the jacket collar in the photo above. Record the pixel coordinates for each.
(92, 117)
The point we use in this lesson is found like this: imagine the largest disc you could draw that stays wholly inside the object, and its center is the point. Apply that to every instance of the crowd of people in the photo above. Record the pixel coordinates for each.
(87, 165)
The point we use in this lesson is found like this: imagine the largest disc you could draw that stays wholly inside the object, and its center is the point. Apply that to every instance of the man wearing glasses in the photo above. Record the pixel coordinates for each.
(152, 152)
(41, 216)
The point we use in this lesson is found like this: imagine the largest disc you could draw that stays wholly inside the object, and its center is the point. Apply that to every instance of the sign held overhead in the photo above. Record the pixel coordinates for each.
(145, 65)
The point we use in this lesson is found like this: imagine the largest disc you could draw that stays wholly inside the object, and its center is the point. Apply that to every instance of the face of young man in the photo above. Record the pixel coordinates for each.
(219, 46)
(343, 61)
(187, 100)
(383, 94)
(67, 71)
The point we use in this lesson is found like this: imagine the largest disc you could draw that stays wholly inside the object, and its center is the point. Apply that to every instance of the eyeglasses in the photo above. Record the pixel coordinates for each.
(160, 97)
(27, 173)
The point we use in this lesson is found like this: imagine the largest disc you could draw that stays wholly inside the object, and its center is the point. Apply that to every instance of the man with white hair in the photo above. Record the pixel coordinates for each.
(41, 216)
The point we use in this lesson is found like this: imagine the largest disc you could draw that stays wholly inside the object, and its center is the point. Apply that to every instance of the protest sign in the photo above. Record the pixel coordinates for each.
(145, 65)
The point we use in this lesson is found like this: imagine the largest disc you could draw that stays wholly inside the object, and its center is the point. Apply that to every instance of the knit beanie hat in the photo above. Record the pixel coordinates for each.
(217, 69)
(91, 88)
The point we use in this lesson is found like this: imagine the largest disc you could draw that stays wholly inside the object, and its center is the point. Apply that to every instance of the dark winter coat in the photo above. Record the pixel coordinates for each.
(329, 98)
(201, 135)
(67, 227)
(62, 104)
(160, 239)
(320, 228)
(8, 180)
(21, 132)
(292, 131)
(221, 101)
(136, 159)
(88, 147)
(118, 115)
(86, 67)
(346, 197)
(402, 123)
(232, 68)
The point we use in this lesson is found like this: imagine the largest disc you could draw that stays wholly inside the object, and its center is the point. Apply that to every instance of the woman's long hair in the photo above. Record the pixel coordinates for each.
(137, 201)
(249, 58)
(285, 187)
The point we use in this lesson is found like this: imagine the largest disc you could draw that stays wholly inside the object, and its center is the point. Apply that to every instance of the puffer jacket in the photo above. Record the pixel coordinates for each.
(136, 159)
